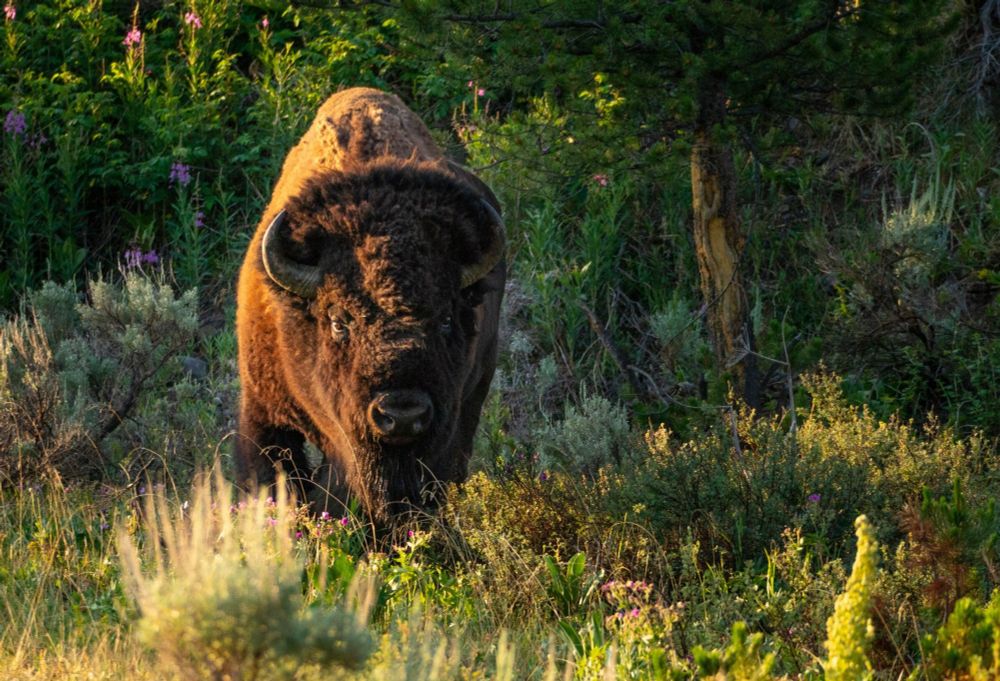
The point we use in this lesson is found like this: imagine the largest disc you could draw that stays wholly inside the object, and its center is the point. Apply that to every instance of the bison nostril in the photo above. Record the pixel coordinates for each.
(400, 413)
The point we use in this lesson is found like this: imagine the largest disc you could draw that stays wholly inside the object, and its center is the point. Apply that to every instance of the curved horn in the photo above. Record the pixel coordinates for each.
(294, 277)
(476, 271)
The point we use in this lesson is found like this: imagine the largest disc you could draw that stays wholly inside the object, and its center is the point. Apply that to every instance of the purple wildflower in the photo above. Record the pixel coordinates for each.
(814, 498)
(199, 220)
(192, 20)
(543, 476)
(634, 612)
(344, 521)
(298, 535)
(409, 534)
(142, 489)
(9, 11)
(324, 516)
(104, 526)
(133, 258)
(180, 173)
(15, 123)
(133, 37)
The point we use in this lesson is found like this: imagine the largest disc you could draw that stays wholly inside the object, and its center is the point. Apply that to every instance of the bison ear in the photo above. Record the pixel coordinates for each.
(296, 277)
(493, 234)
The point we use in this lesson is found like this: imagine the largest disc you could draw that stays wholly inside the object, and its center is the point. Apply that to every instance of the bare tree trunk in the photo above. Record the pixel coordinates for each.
(719, 240)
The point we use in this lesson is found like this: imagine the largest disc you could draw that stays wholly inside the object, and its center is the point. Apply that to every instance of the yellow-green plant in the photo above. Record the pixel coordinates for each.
(743, 660)
(219, 590)
(849, 630)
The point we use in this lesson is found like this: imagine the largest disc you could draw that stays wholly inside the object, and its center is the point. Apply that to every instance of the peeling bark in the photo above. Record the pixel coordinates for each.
(719, 241)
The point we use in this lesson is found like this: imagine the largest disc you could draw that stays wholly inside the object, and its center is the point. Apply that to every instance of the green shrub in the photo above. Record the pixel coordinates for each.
(966, 646)
(589, 437)
(71, 373)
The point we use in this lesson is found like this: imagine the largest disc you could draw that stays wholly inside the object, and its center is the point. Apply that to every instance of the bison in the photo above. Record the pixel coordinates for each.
(367, 313)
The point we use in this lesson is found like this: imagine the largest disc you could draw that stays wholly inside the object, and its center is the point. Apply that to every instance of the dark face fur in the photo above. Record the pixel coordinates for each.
(379, 357)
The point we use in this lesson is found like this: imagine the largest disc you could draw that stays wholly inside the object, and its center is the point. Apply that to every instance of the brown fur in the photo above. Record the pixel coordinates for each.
(370, 198)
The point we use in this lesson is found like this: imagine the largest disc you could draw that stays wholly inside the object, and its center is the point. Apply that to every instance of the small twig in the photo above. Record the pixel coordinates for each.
(736, 433)
(612, 349)
(794, 426)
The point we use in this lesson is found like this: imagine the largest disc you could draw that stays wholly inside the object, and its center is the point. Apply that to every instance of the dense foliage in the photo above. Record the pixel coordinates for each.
(629, 518)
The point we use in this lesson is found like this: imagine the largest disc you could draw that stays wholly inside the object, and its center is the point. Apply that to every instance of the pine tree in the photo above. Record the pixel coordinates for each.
(690, 74)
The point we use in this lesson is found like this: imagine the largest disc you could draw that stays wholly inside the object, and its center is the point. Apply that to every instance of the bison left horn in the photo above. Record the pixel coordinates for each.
(476, 271)
(294, 277)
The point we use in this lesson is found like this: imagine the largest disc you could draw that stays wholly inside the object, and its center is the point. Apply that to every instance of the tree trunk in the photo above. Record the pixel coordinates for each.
(719, 241)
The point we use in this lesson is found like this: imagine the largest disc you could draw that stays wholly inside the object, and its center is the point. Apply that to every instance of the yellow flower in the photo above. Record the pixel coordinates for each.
(849, 630)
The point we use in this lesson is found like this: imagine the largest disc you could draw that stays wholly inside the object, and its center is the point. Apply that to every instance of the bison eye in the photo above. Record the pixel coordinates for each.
(446, 326)
(338, 328)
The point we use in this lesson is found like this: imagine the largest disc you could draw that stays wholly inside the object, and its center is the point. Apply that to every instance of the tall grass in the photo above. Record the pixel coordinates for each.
(221, 596)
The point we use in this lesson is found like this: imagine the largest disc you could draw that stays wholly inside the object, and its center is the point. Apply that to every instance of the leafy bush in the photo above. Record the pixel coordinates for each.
(965, 647)
(916, 312)
(589, 437)
(71, 373)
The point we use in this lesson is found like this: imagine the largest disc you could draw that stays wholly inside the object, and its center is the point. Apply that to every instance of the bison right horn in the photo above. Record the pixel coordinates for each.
(294, 277)
(476, 271)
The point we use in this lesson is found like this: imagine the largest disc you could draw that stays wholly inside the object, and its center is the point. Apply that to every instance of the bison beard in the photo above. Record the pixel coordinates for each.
(367, 314)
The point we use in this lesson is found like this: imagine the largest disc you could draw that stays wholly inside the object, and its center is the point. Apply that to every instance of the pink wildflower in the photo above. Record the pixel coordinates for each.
(481, 92)
(192, 20)
(600, 179)
(344, 521)
(264, 23)
(9, 11)
(133, 37)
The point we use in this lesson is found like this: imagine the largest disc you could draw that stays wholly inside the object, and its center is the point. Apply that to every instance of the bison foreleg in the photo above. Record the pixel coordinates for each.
(263, 450)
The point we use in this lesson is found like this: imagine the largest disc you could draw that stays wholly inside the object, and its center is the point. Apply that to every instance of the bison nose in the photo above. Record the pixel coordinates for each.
(400, 415)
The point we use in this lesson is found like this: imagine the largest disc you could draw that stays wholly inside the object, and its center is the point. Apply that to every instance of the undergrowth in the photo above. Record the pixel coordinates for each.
(626, 519)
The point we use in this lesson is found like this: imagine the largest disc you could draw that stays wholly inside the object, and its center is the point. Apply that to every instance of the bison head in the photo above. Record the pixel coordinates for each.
(382, 275)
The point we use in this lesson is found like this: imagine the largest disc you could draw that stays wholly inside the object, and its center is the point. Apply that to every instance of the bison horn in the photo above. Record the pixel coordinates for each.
(477, 270)
(294, 277)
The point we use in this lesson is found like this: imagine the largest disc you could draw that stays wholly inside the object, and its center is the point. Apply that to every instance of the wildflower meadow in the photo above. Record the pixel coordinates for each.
(745, 419)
